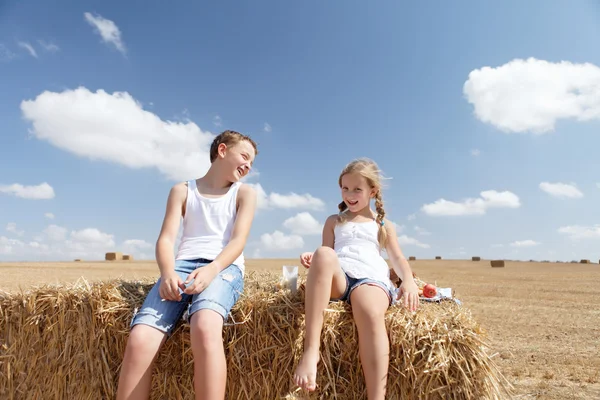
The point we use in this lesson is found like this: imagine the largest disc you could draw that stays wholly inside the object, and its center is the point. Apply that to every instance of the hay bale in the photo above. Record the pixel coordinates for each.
(127, 257)
(77, 260)
(68, 342)
(585, 261)
(113, 256)
(476, 258)
(412, 258)
(438, 257)
(497, 263)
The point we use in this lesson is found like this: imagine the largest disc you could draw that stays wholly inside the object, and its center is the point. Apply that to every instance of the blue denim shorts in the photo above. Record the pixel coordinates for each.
(220, 296)
(353, 283)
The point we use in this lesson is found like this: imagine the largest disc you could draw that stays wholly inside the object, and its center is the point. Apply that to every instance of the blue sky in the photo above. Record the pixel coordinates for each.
(485, 116)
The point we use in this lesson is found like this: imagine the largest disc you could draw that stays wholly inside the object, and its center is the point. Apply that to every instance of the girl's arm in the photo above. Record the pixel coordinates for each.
(328, 235)
(397, 258)
(408, 289)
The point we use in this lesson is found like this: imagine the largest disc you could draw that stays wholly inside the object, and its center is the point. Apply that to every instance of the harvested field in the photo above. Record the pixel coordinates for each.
(542, 318)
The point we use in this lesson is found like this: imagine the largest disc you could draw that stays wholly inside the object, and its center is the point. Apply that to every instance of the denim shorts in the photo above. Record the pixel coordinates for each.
(353, 283)
(220, 296)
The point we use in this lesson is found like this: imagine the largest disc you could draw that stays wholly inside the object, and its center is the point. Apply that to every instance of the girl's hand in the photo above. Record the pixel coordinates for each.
(409, 294)
(305, 259)
(170, 284)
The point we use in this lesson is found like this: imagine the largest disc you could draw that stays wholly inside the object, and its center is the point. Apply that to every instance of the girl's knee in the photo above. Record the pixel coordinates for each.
(324, 257)
(144, 341)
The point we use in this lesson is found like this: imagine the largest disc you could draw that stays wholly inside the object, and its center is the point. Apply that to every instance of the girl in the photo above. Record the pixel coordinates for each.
(349, 267)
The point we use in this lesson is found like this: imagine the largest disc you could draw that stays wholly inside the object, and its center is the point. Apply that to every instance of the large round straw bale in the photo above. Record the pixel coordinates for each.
(476, 258)
(412, 258)
(68, 343)
(585, 261)
(113, 256)
(438, 257)
(497, 263)
(127, 257)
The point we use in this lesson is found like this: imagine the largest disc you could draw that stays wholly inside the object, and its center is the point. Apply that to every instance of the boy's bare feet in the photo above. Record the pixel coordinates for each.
(305, 375)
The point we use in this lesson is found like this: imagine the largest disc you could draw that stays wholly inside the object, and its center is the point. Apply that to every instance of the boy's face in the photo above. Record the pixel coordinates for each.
(356, 192)
(238, 159)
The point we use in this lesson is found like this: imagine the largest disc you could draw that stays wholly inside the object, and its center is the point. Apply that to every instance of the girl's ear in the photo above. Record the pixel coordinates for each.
(222, 150)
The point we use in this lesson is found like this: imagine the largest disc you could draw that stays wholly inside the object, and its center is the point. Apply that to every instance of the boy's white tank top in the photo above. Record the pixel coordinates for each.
(207, 225)
(358, 251)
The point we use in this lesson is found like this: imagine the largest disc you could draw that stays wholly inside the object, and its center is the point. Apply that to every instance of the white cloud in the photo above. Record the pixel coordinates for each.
(5, 54)
(217, 121)
(289, 201)
(532, 95)
(280, 241)
(598, 185)
(409, 241)
(40, 192)
(422, 231)
(257, 253)
(576, 232)
(471, 206)
(49, 215)
(267, 127)
(303, 224)
(138, 248)
(54, 233)
(29, 48)
(561, 190)
(411, 217)
(49, 46)
(12, 227)
(475, 152)
(115, 128)
(10, 246)
(399, 228)
(498, 245)
(524, 243)
(107, 29)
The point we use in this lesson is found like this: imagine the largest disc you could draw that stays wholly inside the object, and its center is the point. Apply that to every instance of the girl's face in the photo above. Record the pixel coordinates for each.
(356, 192)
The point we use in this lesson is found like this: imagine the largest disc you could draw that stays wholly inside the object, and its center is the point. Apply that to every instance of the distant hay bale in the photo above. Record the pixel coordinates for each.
(438, 257)
(497, 263)
(127, 257)
(412, 258)
(475, 258)
(77, 259)
(585, 261)
(68, 342)
(113, 256)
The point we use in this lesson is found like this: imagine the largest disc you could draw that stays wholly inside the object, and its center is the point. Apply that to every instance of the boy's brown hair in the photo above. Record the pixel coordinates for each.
(230, 138)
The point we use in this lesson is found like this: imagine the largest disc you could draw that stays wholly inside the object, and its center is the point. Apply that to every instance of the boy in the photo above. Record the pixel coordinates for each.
(206, 276)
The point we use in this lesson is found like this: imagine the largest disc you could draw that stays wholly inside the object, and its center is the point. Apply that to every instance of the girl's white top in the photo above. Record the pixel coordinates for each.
(207, 225)
(358, 251)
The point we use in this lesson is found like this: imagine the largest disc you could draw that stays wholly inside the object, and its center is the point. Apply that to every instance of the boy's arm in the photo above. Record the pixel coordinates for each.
(168, 233)
(241, 228)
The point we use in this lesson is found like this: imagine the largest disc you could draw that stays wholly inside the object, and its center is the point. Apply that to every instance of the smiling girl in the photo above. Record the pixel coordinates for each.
(349, 267)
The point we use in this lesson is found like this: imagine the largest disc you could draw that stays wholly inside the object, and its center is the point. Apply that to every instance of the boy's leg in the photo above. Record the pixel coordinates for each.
(369, 305)
(208, 311)
(150, 327)
(325, 281)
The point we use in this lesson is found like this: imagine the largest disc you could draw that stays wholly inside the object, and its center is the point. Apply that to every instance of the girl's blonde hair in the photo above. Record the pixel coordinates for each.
(371, 172)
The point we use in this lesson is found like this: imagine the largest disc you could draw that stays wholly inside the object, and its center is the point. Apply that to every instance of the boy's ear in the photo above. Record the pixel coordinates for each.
(222, 150)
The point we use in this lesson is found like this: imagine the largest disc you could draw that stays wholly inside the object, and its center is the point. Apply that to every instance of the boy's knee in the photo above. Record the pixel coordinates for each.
(206, 328)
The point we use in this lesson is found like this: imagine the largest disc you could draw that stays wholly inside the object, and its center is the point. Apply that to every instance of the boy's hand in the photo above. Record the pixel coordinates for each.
(305, 259)
(409, 294)
(170, 284)
(202, 277)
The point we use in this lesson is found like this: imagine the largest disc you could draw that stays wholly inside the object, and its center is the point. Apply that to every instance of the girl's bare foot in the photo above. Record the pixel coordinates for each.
(305, 375)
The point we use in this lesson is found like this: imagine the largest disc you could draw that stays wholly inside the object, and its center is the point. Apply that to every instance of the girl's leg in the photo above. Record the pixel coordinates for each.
(135, 379)
(325, 280)
(369, 304)
(210, 368)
